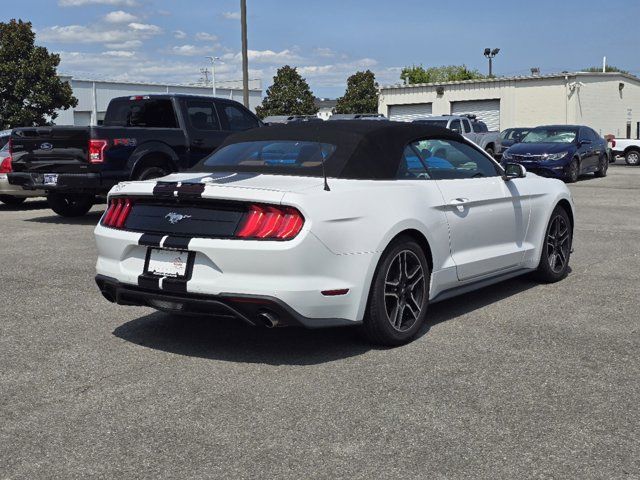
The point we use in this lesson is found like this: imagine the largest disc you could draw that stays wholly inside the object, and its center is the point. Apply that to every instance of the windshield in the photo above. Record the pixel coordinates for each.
(270, 156)
(551, 135)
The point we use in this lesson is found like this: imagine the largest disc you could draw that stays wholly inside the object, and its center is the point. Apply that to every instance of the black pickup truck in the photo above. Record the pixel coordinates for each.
(142, 137)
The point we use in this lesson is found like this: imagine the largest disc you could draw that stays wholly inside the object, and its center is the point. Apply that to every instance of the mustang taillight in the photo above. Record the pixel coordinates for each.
(270, 222)
(117, 212)
(96, 150)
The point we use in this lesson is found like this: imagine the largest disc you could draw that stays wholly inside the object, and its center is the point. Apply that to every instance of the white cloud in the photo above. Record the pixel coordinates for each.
(145, 27)
(190, 50)
(206, 37)
(119, 16)
(179, 34)
(127, 44)
(82, 34)
(264, 56)
(82, 3)
(231, 15)
(324, 52)
(119, 53)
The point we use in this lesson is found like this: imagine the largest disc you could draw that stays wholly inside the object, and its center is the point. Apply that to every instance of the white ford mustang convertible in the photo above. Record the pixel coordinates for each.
(334, 223)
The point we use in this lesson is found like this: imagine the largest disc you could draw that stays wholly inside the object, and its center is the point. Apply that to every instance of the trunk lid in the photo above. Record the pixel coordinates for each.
(57, 149)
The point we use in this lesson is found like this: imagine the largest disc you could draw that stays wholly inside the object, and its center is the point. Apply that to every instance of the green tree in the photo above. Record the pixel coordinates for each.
(289, 95)
(607, 68)
(30, 90)
(445, 73)
(361, 95)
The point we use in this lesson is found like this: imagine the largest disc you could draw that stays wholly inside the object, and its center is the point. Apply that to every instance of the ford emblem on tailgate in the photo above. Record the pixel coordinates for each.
(174, 217)
(46, 146)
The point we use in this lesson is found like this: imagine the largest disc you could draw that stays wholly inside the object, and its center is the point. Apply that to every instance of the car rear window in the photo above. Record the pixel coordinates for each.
(271, 155)
(146, 112)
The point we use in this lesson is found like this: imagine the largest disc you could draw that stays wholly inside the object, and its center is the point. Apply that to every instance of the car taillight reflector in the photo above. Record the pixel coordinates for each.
(270, 222)
(117, 212)
(96, 150)
(5, 166)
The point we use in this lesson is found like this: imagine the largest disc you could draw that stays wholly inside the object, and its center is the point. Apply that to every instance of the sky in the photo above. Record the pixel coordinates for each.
(328, 40)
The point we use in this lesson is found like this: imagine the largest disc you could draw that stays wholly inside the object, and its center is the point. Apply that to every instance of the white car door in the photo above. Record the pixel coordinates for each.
(487, 216)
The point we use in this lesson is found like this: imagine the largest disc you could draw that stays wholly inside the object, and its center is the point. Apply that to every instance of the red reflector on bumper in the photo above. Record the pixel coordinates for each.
(335, 293)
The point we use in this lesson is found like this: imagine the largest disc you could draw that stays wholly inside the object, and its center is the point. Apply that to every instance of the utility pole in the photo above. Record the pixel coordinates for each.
(245, 58)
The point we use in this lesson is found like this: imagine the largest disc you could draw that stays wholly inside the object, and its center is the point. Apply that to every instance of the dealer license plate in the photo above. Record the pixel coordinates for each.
(167, 263)
(50, 179)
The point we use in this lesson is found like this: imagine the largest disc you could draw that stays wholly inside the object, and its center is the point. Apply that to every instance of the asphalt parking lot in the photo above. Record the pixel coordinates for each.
(517, 380)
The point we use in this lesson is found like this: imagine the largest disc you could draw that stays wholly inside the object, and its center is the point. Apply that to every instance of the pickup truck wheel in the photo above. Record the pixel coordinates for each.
(152, 172)
(11, 200)
(632, 157)
(70, 205)
(490, 151)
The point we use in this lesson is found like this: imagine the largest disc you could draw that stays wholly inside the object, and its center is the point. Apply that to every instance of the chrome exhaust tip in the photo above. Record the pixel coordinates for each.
(268, 319)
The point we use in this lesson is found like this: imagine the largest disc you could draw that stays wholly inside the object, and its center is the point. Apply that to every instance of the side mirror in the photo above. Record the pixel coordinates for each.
(514, 170)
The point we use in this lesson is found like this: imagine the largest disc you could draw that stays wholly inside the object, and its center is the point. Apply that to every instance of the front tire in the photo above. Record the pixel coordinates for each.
(399, 294)
(490, 151)
(12, 201)
(70, 205)
(632, 157)
(556, 248)
(573, 171)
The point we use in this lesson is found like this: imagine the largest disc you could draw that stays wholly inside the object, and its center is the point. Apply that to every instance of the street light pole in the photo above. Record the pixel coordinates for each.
(490, 54)
(213, 74)
(245, 58)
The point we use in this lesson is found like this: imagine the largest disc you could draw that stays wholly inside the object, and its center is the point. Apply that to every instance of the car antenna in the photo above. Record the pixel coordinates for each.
(324, 172)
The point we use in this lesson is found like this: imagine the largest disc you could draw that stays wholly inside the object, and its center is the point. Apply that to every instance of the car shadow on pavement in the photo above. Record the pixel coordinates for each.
(90, 218)
(24, 207)
(234, 341)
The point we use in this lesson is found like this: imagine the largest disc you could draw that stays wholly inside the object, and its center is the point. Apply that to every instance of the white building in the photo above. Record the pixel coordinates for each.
(607, 102)
(94, 96)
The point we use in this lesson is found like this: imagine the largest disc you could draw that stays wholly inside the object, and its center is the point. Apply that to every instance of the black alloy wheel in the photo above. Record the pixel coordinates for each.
(399, 294)
(556, 248)
(573, 171)
(404, 290)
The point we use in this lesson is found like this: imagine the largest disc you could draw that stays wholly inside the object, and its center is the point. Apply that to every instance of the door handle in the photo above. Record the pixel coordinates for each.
(198, 141)
(456, 202)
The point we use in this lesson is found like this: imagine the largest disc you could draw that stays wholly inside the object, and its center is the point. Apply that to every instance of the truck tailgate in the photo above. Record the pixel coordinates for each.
(57, 149)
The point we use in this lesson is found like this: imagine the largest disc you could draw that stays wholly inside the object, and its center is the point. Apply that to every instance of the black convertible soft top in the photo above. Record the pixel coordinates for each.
(364, 149)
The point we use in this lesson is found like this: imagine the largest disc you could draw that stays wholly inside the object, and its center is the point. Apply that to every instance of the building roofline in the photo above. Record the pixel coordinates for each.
(219, 84)
(627, 76)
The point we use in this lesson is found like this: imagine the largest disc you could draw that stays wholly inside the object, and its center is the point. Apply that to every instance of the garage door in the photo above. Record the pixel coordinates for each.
(486, 110)
(407, 113)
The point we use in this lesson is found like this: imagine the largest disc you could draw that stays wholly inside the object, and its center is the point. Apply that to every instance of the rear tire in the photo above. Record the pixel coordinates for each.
(632, 157)
(150, 173)
(556, 248)
(490, 151)
(12, 201)
(603, 167)
(399, 294)
(71, 205)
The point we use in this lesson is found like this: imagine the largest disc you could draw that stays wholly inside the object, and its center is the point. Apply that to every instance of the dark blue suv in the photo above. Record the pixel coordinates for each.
(561, 151)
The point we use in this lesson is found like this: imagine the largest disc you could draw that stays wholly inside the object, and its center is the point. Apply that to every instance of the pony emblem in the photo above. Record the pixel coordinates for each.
(173, 217)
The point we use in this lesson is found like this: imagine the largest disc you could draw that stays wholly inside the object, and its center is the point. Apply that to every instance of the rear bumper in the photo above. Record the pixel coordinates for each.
(252, 309)
(72, 182)
(15, 190)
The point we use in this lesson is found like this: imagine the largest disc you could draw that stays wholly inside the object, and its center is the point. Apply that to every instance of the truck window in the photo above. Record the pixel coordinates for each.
(202, 115)
(151, 113)
(467, 125)
(480, 127)
(455, 126)
(239, 119)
